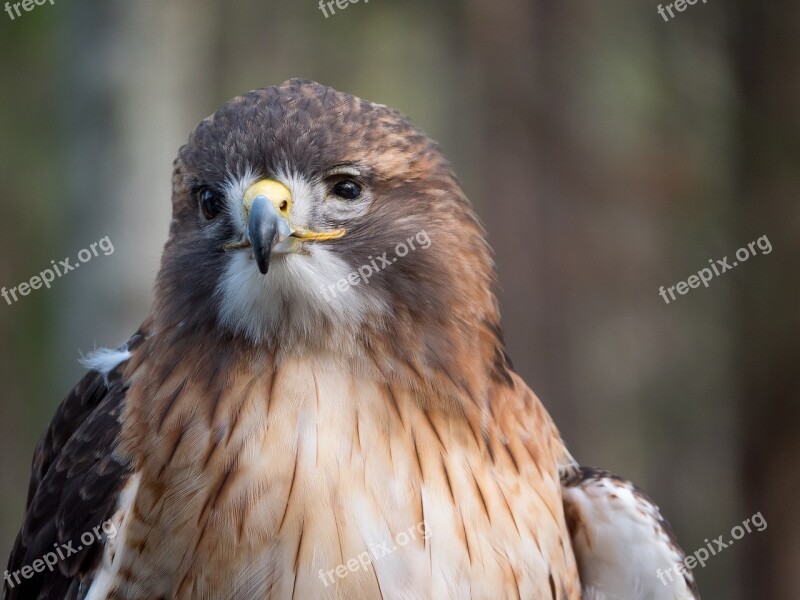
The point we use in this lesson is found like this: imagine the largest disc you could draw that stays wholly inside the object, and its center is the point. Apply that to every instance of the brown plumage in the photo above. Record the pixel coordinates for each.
(262, 431)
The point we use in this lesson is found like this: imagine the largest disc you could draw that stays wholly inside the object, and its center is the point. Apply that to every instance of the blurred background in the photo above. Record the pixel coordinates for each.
(608, 151)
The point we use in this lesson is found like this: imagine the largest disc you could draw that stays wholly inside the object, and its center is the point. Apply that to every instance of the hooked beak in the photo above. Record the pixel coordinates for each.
(265, 227)
(267, 206)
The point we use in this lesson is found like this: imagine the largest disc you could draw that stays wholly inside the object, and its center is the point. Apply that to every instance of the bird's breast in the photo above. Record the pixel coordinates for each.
(311, 482)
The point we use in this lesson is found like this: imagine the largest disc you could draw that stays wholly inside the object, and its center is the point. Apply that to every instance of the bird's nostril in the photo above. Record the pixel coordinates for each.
(284, 205)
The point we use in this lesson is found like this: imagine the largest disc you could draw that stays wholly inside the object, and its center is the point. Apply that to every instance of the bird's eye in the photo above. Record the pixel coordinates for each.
(347, 189)
(210, 202)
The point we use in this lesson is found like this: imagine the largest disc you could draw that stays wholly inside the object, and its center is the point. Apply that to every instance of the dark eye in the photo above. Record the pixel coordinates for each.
(210, 202)
(347, 189)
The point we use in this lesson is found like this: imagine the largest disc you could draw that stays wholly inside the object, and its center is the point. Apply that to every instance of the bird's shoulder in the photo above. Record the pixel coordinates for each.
(522, 416)
(75, 481)
(624, 546)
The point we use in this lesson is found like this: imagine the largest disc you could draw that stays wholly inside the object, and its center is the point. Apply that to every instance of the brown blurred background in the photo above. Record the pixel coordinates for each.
(608, 152)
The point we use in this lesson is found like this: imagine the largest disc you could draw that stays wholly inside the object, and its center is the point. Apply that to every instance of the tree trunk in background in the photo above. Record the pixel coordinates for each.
(767, 48)
(516, 88)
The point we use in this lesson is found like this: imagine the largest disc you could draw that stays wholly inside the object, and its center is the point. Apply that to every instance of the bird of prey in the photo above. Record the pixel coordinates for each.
(319, 403)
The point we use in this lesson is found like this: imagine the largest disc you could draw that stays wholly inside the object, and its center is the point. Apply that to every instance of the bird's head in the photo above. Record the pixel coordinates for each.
(306, 217)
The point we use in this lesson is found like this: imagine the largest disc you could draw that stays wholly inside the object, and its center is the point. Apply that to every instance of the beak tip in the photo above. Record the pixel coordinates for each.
(262, 228)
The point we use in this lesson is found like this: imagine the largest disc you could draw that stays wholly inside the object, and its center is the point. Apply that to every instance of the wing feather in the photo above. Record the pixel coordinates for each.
(75, 482)
(624, 546)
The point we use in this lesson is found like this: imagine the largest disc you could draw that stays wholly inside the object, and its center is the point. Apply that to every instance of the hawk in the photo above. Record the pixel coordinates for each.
(319, 403)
